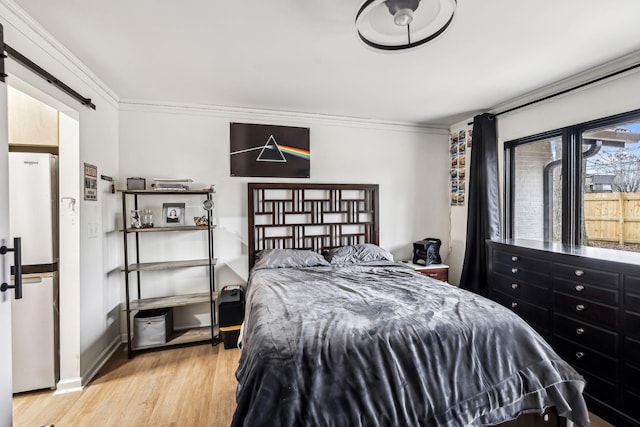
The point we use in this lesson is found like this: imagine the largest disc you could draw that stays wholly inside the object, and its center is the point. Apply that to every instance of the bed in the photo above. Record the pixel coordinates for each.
(337, 334)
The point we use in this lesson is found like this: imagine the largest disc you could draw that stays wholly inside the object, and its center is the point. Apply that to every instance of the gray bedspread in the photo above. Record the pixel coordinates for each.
(382, 345)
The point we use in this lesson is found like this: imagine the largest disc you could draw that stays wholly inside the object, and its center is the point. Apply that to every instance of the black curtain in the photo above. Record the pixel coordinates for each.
(483, 217)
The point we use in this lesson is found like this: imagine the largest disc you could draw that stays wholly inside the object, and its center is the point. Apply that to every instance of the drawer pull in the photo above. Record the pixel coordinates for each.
(579, 273)
(514, 286)
(579, 331)
(579, 288)
(514, 305)
(514, 258)
(579, 354)
(514, 270)
(580, 307)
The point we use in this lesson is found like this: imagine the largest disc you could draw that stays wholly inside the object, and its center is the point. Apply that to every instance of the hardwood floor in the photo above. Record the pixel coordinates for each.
(189, 386)
(598, 422)
(183, 387)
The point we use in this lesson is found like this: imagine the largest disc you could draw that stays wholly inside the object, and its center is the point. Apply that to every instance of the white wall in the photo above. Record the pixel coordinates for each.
(85, 321)
(409, 163)
(606, 98)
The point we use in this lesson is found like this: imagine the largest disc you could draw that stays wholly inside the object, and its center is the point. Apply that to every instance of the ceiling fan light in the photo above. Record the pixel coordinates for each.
(394, 25)
(403, 17)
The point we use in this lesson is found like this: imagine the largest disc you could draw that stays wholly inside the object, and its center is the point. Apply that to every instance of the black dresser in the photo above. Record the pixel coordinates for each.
(586, 303)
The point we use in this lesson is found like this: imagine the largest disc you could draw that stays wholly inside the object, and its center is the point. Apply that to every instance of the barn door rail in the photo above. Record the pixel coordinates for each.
(9, 52)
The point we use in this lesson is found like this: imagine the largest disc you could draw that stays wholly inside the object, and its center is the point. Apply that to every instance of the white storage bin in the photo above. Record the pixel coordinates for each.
(152, 327)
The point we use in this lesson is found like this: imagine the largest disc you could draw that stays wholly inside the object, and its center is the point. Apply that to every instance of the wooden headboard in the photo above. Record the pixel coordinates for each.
(311, 216)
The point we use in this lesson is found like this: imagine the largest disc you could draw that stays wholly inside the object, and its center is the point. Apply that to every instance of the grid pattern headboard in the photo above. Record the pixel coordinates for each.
(311, 216)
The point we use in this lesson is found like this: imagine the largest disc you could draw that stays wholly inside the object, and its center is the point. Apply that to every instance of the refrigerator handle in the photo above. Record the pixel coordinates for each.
(17, 267)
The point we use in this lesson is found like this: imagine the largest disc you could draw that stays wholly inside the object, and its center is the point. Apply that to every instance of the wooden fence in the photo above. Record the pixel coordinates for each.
(612, 217)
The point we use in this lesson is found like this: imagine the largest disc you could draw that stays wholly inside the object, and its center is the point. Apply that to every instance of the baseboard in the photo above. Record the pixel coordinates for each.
(77, 384)
(101, 360)
(68, 386)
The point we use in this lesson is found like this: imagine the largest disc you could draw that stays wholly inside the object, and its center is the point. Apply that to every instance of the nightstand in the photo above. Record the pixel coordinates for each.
(435, 271)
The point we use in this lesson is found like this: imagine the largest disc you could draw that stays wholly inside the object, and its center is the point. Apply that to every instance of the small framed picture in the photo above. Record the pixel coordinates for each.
(172, 214)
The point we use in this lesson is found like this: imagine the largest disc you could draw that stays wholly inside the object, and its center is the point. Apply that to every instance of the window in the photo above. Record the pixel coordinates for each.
(611, 183)
(537, 191)
(579, 185)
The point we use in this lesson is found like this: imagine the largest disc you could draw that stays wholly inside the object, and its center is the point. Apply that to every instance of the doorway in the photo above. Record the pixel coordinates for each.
(33, 211)
(39, 123)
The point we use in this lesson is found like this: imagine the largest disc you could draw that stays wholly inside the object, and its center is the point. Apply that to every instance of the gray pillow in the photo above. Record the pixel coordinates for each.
(287, 258)
(356, 254)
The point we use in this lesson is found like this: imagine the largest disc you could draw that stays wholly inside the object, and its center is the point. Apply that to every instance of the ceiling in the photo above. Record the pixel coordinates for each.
(304, 55)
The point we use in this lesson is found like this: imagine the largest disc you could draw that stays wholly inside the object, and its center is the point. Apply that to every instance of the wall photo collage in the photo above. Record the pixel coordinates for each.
(460, 145)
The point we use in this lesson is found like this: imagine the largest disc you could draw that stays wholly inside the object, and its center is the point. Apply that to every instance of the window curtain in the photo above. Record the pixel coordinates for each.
(483, 217)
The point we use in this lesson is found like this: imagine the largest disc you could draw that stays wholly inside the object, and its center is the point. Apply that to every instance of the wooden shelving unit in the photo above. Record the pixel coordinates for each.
(172, 301)
(130, 199)
(185, 336)
(168, 265)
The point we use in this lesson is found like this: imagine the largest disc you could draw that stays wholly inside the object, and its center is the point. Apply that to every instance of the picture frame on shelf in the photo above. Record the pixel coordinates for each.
(173, 214)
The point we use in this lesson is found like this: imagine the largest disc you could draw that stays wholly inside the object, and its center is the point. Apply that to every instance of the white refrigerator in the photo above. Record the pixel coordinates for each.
(33, 204)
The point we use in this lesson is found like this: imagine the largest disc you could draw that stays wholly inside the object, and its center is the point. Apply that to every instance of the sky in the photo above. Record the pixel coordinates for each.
(633, 127)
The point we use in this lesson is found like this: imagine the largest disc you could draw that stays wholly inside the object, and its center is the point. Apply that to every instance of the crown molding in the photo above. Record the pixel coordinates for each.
(28, 27)
(252, 114)
(578, 79)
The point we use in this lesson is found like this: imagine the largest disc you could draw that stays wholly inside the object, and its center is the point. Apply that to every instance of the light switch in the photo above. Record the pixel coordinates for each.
(92, 230)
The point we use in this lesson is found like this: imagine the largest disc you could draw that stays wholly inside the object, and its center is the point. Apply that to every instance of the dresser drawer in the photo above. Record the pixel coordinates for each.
(537, 316)
(631, 379)
(586, 275)
(587, 359)
(511, 260)
(589, 336)
(632, 301)
(521, 273)
(586, 290)
(586, 311)
(600, 389)
(631, 404)
(521, 289)
(632, 284)
(632, 351)
(631, 324)
(441, 274)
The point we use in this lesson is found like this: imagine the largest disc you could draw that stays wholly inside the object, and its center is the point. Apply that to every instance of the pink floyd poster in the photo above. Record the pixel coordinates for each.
(269, 151)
